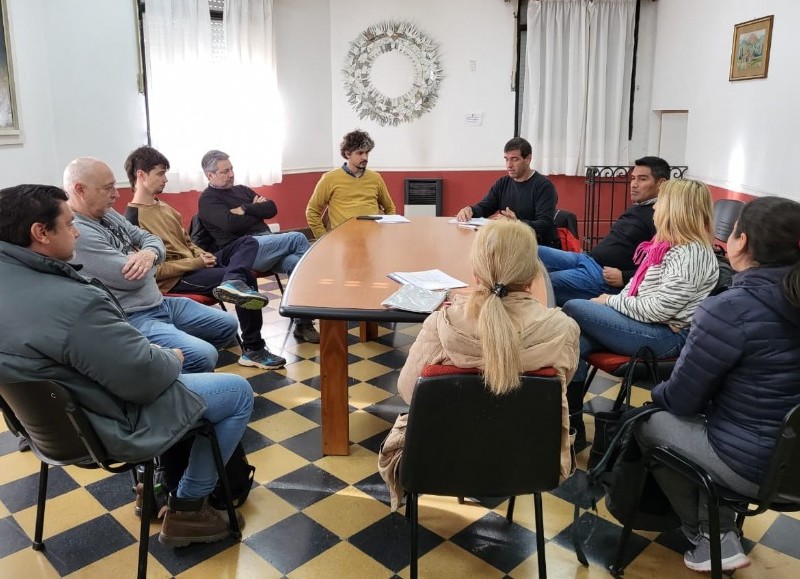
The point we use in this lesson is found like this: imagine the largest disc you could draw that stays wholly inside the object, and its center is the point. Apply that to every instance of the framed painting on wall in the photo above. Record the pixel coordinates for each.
(9, 121)
(750, 52)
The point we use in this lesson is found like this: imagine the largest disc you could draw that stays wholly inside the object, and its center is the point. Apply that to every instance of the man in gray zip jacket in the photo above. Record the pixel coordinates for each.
(70, 329)
(123, 257)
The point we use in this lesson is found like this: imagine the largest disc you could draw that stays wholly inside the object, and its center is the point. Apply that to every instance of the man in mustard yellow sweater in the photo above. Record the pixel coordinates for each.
(350, 190)
(188, 269)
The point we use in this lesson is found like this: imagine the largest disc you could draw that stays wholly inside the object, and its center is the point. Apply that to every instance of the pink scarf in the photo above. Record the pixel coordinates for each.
(648, 253)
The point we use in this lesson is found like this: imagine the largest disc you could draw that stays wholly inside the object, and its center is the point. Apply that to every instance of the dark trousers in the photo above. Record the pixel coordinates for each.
(234, 261)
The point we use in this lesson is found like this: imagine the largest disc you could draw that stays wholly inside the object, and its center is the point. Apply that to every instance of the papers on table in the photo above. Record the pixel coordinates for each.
(432, 279)
(390, 219)
(415, 299)
(474, 222)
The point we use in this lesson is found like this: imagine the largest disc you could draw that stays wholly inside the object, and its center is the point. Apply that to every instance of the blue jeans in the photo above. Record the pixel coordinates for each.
(230, 402)
(197, 330)
(280, 252)
(574, 275)
(604, 329)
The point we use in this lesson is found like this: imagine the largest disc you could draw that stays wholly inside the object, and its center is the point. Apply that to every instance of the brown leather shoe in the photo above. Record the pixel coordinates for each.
(191, 521)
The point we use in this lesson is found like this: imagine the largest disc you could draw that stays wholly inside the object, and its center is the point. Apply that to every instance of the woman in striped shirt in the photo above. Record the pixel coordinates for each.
(677, 270)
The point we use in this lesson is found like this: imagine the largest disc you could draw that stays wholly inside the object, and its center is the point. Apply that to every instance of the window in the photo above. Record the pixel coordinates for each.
(212, 84)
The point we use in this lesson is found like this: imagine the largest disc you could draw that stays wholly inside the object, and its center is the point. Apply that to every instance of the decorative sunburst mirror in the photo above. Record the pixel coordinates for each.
(392, 41)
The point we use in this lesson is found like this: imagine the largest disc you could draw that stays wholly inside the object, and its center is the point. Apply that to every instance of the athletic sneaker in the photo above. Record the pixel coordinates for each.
(240, 294)
(733, 557)
(262, 358)
(692, 534)
(304, 330)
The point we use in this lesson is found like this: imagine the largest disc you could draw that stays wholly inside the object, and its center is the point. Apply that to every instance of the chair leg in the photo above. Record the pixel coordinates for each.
(589, 377)
(223, 477)
(510, 510)
(144, 528)
(413, 505)
(540, 558)
(714, 539)
(280, 283)
(38, 544)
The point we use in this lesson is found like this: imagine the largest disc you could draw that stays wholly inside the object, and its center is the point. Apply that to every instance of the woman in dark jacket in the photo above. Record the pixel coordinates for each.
(737, 376)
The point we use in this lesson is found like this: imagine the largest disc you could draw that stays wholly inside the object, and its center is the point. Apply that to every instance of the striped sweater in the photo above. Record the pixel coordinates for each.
(671, 290)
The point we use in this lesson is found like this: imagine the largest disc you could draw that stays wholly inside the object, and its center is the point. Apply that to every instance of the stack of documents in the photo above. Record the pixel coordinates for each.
(432, 279)
(474, 222)
(414, 299)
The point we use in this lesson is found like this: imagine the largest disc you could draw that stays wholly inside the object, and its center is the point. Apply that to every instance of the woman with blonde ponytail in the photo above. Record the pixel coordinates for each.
(499, 327)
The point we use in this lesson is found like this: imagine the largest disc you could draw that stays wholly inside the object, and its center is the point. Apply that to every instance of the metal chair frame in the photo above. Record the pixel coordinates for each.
(47, 415)
(461, 440)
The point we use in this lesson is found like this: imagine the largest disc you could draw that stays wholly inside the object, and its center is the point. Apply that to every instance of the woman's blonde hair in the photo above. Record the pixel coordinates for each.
(683, 212)
(504, 254)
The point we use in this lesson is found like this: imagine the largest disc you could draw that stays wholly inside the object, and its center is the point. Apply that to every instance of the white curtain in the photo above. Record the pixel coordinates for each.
(251, 127)
(199, 101)
(611, 24)
(178, 43)
(577, 83)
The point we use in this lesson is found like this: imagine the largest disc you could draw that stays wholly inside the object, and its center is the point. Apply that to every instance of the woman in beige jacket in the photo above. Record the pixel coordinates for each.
(499, 327)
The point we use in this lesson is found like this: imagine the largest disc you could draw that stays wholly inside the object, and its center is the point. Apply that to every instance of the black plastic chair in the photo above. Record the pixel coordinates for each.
(461, 440)
(779, 491)
(60, 434)
(726, 214)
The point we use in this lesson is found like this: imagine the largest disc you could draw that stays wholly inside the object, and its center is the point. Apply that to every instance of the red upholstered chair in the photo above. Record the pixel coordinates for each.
(643, 363)
(199, 298)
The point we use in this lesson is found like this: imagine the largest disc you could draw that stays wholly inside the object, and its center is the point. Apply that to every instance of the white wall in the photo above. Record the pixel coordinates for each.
(75, 64)
(741, 135)
(482, 31)
(303, 40)
(32, 159)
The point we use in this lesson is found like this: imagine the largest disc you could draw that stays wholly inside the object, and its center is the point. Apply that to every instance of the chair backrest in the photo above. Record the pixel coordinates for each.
(47, 415)
(726, 213)
(566, 224)
(461, 440)
(782, 481)
(200, 235)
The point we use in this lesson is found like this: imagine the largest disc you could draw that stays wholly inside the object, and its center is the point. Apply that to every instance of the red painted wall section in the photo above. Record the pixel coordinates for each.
(459, 188)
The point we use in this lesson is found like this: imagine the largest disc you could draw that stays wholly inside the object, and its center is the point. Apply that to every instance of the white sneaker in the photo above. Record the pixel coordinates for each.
(733, 557)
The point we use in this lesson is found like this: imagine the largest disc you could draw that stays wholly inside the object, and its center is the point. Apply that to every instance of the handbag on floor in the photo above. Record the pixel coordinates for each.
(606, 424)
(617, 477)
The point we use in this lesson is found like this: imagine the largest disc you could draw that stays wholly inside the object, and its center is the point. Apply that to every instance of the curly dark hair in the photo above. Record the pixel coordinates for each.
(356, 141)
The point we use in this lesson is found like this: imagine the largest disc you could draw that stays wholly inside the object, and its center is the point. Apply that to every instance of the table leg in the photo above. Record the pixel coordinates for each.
(333, 377)
(367, 331)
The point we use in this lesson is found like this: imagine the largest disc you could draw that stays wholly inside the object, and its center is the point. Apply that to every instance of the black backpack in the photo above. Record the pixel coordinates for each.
(173, 462)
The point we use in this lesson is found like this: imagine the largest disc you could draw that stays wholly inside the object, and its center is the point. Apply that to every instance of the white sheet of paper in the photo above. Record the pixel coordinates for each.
(391, 219)
(432, 279)
(475, 221)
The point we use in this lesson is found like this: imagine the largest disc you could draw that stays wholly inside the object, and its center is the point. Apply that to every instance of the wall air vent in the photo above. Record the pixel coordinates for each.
(423, 197)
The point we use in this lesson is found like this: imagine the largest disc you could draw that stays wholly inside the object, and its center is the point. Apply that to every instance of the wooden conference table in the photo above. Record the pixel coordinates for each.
(343, 277)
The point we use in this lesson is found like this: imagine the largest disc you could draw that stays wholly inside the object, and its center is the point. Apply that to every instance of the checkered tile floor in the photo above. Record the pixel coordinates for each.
(312, 516)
